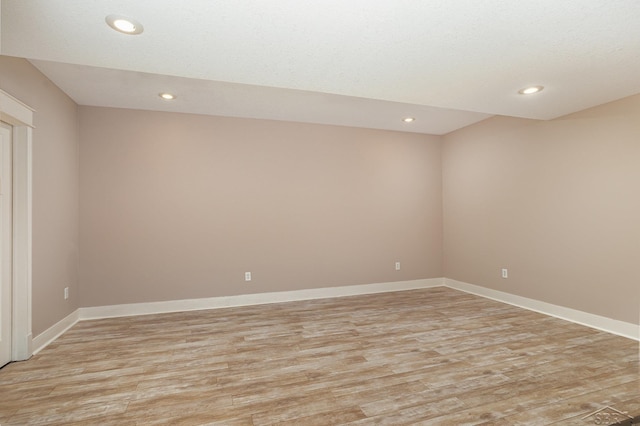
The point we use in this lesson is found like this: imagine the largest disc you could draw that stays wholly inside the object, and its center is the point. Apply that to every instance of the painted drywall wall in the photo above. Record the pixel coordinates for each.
(180, 206)
(556, 202)
(55, 190)
(177, 206)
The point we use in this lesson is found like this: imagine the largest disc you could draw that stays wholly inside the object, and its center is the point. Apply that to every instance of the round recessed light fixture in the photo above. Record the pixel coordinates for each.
(124, 25)
(409, 119)
(530, 90)
(167, 96)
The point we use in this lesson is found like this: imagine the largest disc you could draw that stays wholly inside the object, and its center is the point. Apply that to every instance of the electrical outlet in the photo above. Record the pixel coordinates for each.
(247, 276)
(397, 266)
(66, 293)
(505, 273)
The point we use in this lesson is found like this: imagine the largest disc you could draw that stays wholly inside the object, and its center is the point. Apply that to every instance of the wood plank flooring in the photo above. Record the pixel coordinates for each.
(434, 357)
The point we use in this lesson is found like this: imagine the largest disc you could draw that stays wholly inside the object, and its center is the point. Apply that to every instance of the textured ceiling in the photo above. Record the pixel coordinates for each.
(365, 63)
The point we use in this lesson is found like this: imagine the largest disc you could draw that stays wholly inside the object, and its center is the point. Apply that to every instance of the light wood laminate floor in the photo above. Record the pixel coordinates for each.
(434, 356)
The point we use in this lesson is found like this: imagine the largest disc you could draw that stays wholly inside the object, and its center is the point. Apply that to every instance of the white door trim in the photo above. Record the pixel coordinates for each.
(20, 116)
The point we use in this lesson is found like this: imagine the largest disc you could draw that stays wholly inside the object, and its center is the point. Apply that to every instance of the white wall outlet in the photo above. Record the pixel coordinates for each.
(397, 266)
(66, 293)
(505, 273)
(247, 276)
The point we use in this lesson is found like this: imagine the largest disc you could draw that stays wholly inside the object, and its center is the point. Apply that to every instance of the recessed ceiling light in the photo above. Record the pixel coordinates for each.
(124, 25)
(167, 96)
(530, 90)
(408, 119)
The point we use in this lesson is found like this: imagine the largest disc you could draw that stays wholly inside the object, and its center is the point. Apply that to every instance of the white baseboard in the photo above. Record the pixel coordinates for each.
(609, 325)
(251, 299)
(620, 328)
(52, 333)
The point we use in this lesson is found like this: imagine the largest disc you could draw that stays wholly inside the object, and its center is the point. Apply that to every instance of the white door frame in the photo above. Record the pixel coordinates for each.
(20, 116)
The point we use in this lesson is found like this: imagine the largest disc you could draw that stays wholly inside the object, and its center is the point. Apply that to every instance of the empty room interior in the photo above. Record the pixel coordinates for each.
(319, 212)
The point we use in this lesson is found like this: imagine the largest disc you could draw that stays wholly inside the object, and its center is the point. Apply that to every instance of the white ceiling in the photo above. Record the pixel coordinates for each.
(364, 63)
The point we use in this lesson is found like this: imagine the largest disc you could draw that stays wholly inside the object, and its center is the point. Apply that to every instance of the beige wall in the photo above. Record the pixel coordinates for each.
(55, 190)
(177, 206)
(556, 202)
